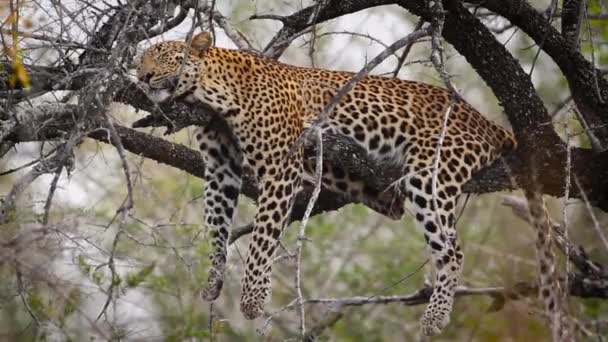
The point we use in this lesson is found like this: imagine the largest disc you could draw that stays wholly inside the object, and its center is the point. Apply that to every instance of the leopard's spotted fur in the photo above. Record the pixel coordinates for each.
(549, 285)
(268, 105)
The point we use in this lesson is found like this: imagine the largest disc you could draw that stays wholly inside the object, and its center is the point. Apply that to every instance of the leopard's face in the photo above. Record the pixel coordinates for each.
(168, 70)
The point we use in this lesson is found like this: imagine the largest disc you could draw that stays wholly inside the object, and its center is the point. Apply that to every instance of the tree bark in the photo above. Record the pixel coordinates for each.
(588, 86)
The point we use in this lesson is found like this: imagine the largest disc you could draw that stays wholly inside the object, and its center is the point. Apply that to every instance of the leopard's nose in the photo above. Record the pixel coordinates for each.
(145, 78)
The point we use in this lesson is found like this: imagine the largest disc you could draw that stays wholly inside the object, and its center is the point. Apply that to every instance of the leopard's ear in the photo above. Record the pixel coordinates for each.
(201, 43)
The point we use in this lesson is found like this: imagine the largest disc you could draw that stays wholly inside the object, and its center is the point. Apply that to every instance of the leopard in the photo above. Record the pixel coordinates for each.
(268, 105)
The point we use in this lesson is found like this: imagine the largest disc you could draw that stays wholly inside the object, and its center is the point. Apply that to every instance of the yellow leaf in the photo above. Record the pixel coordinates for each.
(22, 75)
(19, 73)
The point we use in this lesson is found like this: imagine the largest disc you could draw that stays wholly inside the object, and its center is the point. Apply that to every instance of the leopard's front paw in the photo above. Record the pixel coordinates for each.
(434, 320)
(254, 297)
(252, 308)
(214, 285)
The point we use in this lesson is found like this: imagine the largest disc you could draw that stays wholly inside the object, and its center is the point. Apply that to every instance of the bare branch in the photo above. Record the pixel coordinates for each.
(589, 89)
(47, 165)
(407, 50)
(575, 253)
(596, 224)
(302, 231)
(419, 297)
(21, 292)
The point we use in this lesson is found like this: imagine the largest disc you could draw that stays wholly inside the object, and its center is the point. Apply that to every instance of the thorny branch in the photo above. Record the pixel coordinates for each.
(22, 295)
(575, 253)
(437, 59)
(62, 158)
(419, 297)
(438, 62)
(406, 50)
(589, 89)
(302, 232)
(114, 278)
(596, 224)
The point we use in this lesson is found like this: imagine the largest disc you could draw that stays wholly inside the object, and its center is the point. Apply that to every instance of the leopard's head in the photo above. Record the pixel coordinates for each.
(170, 69)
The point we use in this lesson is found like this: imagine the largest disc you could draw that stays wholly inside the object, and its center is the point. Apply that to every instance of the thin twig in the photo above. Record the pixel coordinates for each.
(20, 291)
(302, 232)
(438, 63)
(264, 328)
(437, 159)
(419, 297)
(596, 224)
(114, 278)
(115, 138)
(575, 253)
(360, 35)
(437, 59)
(590, 34)
(47, 165)
(28, 164)
(407, 50)
(316, 330)
(49, 198)
(549, 11)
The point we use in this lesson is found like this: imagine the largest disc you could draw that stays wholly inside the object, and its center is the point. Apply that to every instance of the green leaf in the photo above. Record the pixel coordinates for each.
(34, 300)
(97, 277)
(136, 278)
(83, 266)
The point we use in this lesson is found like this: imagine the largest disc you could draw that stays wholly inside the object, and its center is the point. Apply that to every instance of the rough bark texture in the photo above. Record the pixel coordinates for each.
(572, 15)
(588, 86)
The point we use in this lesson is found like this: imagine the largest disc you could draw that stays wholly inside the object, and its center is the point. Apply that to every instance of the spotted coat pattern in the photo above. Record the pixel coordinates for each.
(550, 289)
(268, 104)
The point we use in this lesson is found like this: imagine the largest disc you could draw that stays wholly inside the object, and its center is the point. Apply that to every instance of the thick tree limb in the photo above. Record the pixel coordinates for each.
(301, 20)
(588, 86)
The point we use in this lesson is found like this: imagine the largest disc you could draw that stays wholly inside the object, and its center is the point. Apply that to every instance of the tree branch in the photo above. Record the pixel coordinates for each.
(589, 89)
(422, 296)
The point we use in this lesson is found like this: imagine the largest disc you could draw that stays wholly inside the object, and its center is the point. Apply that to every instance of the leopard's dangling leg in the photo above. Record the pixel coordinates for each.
(435, 216)
(277, 195)
(223, 161)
